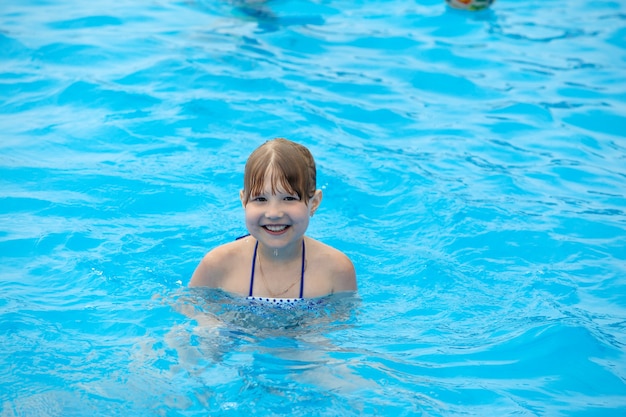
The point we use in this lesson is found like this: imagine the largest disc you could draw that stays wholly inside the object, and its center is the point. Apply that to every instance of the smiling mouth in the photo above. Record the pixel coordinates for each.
(272, 228)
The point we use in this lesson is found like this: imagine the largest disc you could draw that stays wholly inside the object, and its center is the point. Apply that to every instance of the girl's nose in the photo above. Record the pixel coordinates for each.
(274, 211)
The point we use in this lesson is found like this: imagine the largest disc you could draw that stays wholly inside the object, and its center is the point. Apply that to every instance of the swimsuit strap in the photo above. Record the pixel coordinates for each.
(256, 247)
(302, 271)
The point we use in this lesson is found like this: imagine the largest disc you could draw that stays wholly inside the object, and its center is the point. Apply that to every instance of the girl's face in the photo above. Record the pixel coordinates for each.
(279, 220)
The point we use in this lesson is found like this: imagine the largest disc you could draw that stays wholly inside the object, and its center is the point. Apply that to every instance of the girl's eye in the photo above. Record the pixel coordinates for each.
(259, 199)
(292, 198)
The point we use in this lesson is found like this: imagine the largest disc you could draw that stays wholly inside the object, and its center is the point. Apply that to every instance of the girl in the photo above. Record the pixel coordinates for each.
(276, 262)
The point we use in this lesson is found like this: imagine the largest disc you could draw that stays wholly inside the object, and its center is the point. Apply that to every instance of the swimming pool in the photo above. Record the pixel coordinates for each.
(473, 167)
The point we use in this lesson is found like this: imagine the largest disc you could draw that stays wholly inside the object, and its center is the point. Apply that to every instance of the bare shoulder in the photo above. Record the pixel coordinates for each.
(217, 265)
(336, 265)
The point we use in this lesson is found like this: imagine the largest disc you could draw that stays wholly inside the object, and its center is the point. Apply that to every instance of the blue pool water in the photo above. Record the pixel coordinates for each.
(473, 167)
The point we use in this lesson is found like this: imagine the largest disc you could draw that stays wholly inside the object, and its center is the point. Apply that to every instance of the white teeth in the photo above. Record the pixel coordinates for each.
(273, 228)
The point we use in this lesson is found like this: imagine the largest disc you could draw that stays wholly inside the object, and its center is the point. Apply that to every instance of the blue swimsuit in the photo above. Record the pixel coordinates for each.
(275, 300)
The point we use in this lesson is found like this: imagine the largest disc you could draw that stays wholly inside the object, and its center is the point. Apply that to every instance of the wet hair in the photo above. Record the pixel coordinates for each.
(290, 165)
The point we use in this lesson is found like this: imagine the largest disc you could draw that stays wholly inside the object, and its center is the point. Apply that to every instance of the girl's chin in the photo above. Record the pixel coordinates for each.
(276, 240)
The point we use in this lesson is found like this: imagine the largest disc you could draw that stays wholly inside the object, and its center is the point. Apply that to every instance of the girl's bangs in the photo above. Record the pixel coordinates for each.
(278, 181)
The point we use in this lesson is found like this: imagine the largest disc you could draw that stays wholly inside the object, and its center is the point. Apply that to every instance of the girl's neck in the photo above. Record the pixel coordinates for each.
(282, 255)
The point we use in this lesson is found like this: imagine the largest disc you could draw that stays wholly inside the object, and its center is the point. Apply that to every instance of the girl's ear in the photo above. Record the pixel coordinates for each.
(241, 197)
(315, 201)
